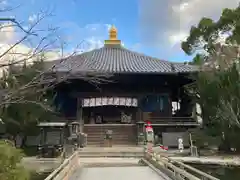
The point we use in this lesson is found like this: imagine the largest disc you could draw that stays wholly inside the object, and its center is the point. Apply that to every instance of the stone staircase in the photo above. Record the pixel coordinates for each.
(112, 152)
(123, 134)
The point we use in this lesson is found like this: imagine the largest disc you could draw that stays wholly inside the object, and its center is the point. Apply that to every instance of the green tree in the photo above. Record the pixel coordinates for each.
(217, 91)
(219, 96)
(198, 60)
(206, 34)
(25, 94)
(27, 106)
(10, 167)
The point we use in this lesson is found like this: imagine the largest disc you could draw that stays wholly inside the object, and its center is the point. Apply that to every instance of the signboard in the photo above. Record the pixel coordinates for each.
(110, 101)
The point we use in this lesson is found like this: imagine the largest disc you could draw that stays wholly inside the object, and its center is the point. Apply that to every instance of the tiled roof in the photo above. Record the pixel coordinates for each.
(119, 60)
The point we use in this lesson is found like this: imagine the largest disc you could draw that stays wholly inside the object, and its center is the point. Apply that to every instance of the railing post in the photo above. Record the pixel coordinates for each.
(179, 170)
(64, 171)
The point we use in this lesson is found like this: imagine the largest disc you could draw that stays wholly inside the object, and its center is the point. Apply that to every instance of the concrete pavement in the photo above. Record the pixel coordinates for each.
(109, 160)
(118, 173)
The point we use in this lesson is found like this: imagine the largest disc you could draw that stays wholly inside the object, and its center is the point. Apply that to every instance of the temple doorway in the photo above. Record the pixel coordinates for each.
(109, 110)
(109, 115)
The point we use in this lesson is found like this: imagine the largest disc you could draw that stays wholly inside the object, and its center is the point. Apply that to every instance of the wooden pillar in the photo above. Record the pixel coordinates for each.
(140, 125)
(170, 107)
(139, 115)
(80, 114)
(139, 111)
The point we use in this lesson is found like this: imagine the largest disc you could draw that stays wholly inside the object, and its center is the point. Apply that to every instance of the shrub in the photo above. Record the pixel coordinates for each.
(10, 166)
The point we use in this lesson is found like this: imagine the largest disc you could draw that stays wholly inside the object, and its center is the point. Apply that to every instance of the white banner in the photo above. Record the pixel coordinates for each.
(92, 102)
(98, 102)
(110, 101)
(116, 101)
(104, 101)
(122, 101)
(128, 101)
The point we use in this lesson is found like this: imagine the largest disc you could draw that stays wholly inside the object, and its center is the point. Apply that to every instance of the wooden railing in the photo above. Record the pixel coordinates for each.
(65, 170)
(176, 170)
(172, 120)
(194, 171)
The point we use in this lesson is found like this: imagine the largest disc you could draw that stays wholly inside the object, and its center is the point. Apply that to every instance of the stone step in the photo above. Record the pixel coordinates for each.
(113, 136)
(111, 154)
(113, 142)
(114, 129)
(110, 128)
(116, 140)
(103, 145)
(114, 132)
(122, 135)
(102, 140)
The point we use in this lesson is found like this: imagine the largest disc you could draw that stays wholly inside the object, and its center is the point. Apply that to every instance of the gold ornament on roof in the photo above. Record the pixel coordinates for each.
(113, 33)
(113, 40)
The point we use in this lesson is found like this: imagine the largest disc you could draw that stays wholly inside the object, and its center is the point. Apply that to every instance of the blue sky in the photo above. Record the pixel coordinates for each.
(152, 27)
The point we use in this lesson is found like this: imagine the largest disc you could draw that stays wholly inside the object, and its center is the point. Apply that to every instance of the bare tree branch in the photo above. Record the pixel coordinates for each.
(45, 79)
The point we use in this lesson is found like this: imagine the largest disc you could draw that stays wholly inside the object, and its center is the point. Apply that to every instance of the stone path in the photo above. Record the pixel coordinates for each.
(118, 173)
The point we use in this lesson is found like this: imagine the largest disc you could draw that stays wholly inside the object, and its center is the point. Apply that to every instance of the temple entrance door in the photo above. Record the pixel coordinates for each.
(110, 115)
(155, 104)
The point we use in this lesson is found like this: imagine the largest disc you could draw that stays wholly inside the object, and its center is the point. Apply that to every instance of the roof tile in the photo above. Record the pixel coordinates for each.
(119, 60)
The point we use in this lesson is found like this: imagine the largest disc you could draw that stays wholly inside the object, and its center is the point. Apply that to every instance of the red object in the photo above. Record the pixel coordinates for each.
(163, 147)
(166, 148)
(149, 128)
(149, 124)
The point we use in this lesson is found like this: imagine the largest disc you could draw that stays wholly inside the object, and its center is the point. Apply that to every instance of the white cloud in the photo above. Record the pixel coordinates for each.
(32, 18)
(7, 33)
(177, 37)
(3, 2)
(168, 22)
(77, 39)
(19, 52)
(94, 43)
(87, 38)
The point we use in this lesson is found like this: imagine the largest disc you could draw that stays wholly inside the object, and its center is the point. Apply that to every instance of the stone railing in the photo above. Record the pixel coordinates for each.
(174, 169)
(66, 169)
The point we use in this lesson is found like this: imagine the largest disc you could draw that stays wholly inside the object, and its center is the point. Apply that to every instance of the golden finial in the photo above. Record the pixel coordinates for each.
(113, 37)
(113, 33)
